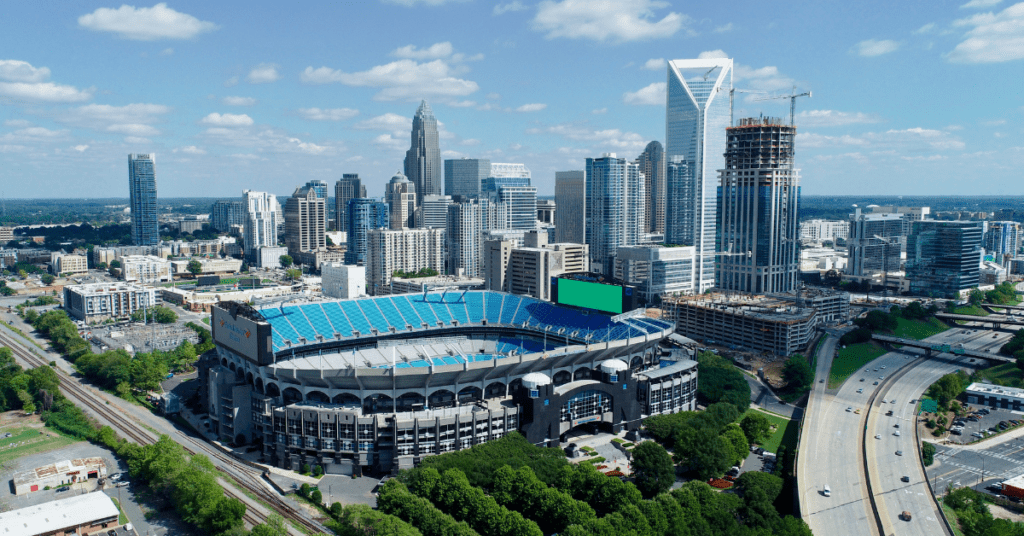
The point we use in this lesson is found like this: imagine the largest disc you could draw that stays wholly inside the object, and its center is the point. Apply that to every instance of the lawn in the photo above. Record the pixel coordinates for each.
(121, 518)
(919, 329)
(851, 359)
(206, 321)
(785, 432)
(1005, 374)
(33, 443)
(970, 310)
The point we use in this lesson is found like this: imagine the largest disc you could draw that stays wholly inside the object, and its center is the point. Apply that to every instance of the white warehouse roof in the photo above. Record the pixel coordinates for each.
(56, 515)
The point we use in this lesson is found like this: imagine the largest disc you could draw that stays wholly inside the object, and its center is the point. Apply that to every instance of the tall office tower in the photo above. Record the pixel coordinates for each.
(305, 216)
(423, 159)
(465, 175)
(757, 209)
(571, 200)
(874, 243)
(652, 165)
(1002, 238)
(909, 214)
(319, 186)
(260, 229)
(614, 209)
(142, 193)
(433, 212)
(697, 114)
(944, 257)
(467, 222)
(401, 197)
(227, 214)
(509, 185)
(408, 250)
(348, 187)
(363, 214)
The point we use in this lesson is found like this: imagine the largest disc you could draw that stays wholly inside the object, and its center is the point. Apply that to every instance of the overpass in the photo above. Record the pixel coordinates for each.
(997, 321)
(989, 306)
(933, 349)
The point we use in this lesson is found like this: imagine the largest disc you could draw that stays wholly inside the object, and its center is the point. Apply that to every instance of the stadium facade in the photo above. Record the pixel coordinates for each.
(377, 384)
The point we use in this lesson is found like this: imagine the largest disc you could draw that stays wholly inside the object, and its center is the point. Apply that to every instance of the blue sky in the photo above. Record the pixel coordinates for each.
(920, 97)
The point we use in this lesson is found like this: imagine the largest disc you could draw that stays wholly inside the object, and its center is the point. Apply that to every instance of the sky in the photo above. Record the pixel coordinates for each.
(910, 97)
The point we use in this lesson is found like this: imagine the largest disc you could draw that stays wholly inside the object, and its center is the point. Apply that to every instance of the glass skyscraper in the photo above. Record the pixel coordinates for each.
(142, 198)
(423, 159)
(614, 209)
(944, 257)
(465, 176)
(571, 200)
(697, 114)
(320, 187)
(652, 165)
(364, 214)
(348, 187)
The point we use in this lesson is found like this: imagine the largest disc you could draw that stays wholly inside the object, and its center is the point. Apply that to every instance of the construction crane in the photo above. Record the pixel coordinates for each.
(732, 97)
(792, 103)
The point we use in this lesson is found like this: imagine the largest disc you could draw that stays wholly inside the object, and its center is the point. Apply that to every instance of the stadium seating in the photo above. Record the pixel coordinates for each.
(475, 306)
(338, 318)
(391, 313)
(407, 310)
(493, 307)
(355, 317)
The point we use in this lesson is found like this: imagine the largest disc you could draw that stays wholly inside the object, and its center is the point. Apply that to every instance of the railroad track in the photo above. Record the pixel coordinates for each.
(230, 467)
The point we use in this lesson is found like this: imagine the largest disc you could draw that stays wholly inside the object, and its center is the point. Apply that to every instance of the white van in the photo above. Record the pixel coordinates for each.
(827, 491)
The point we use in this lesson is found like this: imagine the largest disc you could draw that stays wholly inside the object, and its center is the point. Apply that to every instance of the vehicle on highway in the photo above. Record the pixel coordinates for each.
(878, 436)
(883, 367)
(876, 383)
(849, 408)
(862, 379)
(899, 453)
(857, 411)
(905, 478)
(827, 491)
(905, 515)
(115, 477)
(861, 390)
(893, 401)
(896, 433)
(823, 380)
(888, 413)
(63, 488)
(897, 425)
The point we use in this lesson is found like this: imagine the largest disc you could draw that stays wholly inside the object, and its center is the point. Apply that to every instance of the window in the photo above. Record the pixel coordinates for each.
(585, 404)
(614, 378)
(534, 393)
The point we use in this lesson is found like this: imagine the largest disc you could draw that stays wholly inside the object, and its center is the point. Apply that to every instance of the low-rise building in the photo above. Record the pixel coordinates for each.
(62, 263)
(316, 259)
(92, 513)
(210, 266)
(270, 256)
(992, 273)
(58, 474)
(657, 270)
(344, 281)
(831, 305)
(528, 270)
(404, 285)
(995, 396)
(145, 269)
(96, 302)
(6, 235)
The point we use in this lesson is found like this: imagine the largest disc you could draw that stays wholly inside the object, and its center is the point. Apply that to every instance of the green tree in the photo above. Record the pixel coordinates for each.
(274, 526)
(164, 315)
(737, 441)
(705, 452)
(293, 274)
(316, 497)
(755, 426)
(798, 373)
(286, 260)
(652, 469)
(361, 520)
(927, 453)
(770, 484)
(31, 315)
(195, 267)
(47, 279)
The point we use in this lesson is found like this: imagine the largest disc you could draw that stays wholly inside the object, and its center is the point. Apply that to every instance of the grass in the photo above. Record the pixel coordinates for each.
(206, 321)
(919, 329)
(39, 443)
(785, 433)
(970, 310)
(23, 335)
(851, 359)
(121, 518)
(1006, 374)
(951, 517)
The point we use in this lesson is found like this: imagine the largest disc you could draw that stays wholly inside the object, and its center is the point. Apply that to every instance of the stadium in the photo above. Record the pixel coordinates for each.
(376, 384)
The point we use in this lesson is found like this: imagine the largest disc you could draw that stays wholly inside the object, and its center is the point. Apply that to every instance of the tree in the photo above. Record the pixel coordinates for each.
(771, 485)
(798, 373)
(273, 527)
(286, 260)
(316, 496)
(755, 426)
(927, 453)
(47, 279)
(361, 520)
(738, 441)
(652, 468)
(704, 451)
(293, 273)
(31, 315)
(195, 267)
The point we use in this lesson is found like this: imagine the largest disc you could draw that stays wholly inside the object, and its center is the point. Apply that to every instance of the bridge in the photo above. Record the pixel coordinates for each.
(932, 349)
(990, 306)
(997, 321)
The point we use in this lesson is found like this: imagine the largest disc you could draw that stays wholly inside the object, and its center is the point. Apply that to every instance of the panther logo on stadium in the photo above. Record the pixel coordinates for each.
(221, 323)
(246, 334)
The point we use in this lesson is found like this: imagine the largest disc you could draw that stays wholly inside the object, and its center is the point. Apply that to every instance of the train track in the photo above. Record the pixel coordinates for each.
(230, 467)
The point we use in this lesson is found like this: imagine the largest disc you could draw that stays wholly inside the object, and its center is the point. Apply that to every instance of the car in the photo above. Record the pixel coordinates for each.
(979, 435)
(896, 433)
(861, 390)
(899, 453)
(888, 413)
(883, 367)
(115, 477)
(972, 419)
(857, 411)
(893, 401)
(881, 377)
(862, 379)
(821, 380)
(63, 488)
(905, 478)
(876, 383)
(111, 533)
(897, 425)
(849, 409)
(956, 431)
(878, 436)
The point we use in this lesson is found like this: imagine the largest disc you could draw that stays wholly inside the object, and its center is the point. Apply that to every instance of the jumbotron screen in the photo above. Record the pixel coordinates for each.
(607, 298)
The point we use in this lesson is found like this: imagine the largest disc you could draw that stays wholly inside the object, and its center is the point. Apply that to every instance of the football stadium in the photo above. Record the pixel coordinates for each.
(376, 384)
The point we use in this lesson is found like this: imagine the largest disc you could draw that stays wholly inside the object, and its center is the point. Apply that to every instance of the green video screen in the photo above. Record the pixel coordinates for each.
(606, 298)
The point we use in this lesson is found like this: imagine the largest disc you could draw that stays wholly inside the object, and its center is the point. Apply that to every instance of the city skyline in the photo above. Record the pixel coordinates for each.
(229, 108)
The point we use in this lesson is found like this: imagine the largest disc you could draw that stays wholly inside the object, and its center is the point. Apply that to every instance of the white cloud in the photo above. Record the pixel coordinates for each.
(36, 134)
(22, 71)
(712, 54)
(992, 37)
(599, 111)
(328, 114)
(17, 123)
(145, 23)
(832, 118)
(238, 101)
(80, 148)
(190, 149)
(994, 122)
(724, 28)
(411, 3)
(765, 79)
(263, 73)
(43, 92)
(654, 64)
(135, 140)
(227, 120)
(601, 139)
(436, 51)
(387, 141)
(653, 94)
(493, 96)
(470, 142)
(450, 154)
(233, 81)
(975, 4)
(167, 51)
(134, 129)
(533, 107)
(388, 121)
(927, 28)
(462, 104)
(606, 20)
(501, 9)
(356, 158)
(402, 79)
(810, 139)
(875, 47)
(101, 116)
(895, 141)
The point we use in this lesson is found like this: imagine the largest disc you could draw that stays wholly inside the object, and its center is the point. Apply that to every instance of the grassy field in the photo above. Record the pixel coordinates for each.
(850, 359)
(1005, 374)
(785, 432)
(32, 442)
(970, 310)
(919, 329)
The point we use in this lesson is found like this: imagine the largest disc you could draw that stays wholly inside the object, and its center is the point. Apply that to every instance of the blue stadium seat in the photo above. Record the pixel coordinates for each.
(391, 313)
(524, 311)
(423, 308)
(338, 318)
(356, 317)
(374, 315)
(440, 310)
(407, 310)
(509, 308)
(475, 306)
(315, 316)
(299, 322)
(493, 306)
(457, 308)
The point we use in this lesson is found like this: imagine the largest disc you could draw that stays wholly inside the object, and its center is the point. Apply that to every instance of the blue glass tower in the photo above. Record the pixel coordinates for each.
(142, 199)
(364, 214)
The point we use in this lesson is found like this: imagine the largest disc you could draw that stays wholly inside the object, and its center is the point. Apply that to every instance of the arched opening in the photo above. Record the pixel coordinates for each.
(317, 397)
(292, 395)
(468, 395)
(273, 390)
(346, 399)
(585, 410)
(259, 386)
(442, 398)
(581, 374)
(248, 378)
(239, 374)
(378, 403)
(495, 390)
(232, 366)
(411, 402)
(224, 361)
(562, 377)
(514, 385)
(636, 363)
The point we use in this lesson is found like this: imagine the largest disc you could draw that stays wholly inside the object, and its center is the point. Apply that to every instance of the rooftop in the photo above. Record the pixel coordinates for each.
(60, 514)
(757, 306)
(103, 288)
(989, 389)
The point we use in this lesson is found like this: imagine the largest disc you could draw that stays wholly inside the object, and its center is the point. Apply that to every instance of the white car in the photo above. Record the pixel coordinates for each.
(896, 433)
(878, 436)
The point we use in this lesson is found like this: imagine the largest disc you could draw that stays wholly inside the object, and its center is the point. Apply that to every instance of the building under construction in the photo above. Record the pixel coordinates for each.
(752, 322)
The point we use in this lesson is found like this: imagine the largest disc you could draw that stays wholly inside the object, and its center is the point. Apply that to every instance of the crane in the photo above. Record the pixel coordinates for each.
(792, 103)
(732, 96)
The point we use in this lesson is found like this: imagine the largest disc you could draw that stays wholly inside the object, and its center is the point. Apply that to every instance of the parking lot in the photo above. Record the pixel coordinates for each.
(985, 424)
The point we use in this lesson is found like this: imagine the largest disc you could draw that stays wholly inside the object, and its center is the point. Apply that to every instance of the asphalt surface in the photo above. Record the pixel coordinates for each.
(978, 468)
(761, 396)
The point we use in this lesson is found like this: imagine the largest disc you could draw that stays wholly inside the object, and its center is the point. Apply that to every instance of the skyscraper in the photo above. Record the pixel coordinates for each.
(408, 250)
(614, 209)
(467, 222)
(944, 257)
(875, 242)
(571, 200)
(319, 186)
(305, 217)
(142, 194)
(1002, 238)
(401, 198)
(423, 159)
(465, 175)
(433, 212)
(757, 209)
(260, 228)
(363, 214)
(652, 165)
(348, 187)
(697, 113)
(227, 214)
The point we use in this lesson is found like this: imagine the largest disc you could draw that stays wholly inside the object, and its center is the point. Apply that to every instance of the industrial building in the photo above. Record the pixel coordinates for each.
(92, 513)
(96, 302)
(995, 396)
(59, 474)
